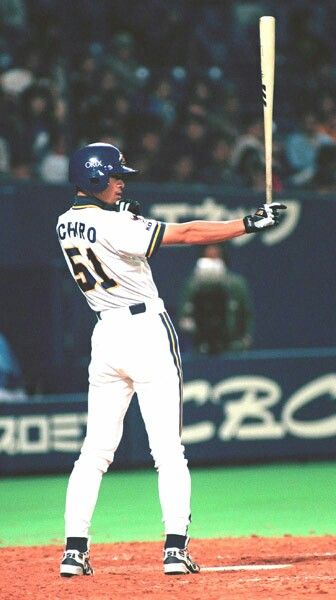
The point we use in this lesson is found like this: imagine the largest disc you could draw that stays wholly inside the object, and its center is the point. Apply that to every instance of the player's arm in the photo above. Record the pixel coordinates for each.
(202, 232)
(208, 232)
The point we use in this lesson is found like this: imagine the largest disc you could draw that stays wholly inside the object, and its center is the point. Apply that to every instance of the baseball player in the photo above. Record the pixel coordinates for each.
(106, 245)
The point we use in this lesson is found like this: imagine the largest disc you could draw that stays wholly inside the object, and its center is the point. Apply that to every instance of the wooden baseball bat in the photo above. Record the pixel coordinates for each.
(267, 60)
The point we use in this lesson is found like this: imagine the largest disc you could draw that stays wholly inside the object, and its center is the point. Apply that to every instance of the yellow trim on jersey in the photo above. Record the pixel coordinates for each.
(154, 239)
(86, 206)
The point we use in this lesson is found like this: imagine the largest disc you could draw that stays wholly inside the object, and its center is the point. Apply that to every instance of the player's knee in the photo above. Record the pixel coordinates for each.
(169, 456)
(97, 459)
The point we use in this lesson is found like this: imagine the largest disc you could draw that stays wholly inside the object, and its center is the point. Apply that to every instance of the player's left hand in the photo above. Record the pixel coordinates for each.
(266, 216)
(132, 206)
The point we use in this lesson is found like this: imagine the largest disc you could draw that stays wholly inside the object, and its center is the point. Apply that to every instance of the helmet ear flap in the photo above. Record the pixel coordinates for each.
(98, 180)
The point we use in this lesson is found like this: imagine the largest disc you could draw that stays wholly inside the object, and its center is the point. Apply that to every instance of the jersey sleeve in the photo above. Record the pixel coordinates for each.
(138, 236)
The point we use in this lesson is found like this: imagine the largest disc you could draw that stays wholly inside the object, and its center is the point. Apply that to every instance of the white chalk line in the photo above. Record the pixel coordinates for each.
(246, 567)
(289, 579)
(233, 568)
(227, 568)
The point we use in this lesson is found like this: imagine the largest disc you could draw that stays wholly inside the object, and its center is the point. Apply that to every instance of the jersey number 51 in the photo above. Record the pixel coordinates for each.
(85, 278)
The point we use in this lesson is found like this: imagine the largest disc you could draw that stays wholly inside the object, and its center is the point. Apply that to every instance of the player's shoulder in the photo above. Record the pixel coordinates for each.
(85, 212)
(127, 216)
(64, 215)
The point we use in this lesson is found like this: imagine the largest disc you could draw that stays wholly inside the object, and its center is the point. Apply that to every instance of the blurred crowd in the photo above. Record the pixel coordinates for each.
(175, 84)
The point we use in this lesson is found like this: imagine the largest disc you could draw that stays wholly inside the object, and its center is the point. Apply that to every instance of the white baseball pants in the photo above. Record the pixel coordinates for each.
(132, 353)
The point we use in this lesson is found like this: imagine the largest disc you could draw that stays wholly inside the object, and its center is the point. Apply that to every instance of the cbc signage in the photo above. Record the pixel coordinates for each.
(248, 405)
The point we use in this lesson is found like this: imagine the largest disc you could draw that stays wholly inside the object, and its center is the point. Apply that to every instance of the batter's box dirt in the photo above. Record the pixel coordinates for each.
(250, 568)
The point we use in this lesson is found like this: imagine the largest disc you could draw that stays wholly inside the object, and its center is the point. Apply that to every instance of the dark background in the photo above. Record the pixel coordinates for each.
(48, 321)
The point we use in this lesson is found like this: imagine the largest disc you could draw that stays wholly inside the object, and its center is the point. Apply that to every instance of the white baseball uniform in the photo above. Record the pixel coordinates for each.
(134, 349)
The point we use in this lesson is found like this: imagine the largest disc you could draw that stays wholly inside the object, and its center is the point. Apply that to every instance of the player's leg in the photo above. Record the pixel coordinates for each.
(159, 390)
(107, 407)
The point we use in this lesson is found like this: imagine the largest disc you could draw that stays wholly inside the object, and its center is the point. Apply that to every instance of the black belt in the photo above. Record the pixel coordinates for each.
(135, 309)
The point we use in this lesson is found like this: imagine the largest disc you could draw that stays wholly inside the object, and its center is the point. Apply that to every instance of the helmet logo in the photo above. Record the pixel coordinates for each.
(93, 162)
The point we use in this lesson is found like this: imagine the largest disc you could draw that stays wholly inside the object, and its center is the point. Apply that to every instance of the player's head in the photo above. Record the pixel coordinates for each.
(91, 167)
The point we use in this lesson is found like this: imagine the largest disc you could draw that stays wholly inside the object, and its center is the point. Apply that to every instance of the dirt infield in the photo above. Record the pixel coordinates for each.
(246, 568)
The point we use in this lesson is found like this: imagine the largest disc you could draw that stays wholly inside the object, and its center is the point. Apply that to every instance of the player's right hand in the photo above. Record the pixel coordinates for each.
(132, 206)
(266, 216)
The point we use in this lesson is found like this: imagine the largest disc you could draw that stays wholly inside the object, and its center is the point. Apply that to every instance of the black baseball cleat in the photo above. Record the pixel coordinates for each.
(75, 563)
(179, 562)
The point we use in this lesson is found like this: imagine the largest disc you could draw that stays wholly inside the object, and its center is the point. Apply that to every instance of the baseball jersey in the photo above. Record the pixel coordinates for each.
(106, 252)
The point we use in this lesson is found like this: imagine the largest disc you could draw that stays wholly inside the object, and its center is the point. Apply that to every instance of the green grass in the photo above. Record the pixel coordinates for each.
(297, 499)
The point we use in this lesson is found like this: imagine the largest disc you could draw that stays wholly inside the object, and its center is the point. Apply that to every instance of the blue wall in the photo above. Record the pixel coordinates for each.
(290, 271)
(260, 406)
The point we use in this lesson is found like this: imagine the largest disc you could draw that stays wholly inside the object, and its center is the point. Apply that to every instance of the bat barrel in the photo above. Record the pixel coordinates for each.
(267, 63)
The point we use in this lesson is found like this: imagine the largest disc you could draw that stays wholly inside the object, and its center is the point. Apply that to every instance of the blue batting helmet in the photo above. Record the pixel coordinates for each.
(90, 167)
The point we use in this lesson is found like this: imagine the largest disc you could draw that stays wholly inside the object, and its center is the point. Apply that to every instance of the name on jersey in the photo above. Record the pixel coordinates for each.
(76, 230)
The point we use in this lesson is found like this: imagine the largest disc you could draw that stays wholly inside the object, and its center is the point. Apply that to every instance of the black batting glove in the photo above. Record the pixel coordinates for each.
(266, 216)
(132, 206)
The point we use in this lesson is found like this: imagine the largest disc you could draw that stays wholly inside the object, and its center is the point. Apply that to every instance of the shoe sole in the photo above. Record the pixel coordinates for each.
(72, 571)
(177, 569)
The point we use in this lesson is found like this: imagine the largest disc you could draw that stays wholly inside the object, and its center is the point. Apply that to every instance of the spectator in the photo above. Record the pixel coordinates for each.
(308, 49)
(251, 170)
(302, 143)
(21, 160)
(205, 87)
(85, 78)
(218, 168)
(109, 84)
(226, 117)
(327, 128)
(326, 108)
(146, 153)
(13, 14)
(182, 169)
(324, 177)
(116, 115)
(123, 61)
(122, 109)
(54, 165)
(301, 148)
(13, 22)
(211, 21)
(112, 121)
(11, 380)
(16, 80)
(4, 157)
(161, 102)
(216, 305)
(39, 120)
(200, 94)
(112, 136)
(189, 139)
(252, 138)
(164, 28)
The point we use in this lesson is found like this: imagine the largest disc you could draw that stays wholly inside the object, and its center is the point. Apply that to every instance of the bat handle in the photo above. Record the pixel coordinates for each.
(269, 184)
(268, 134)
